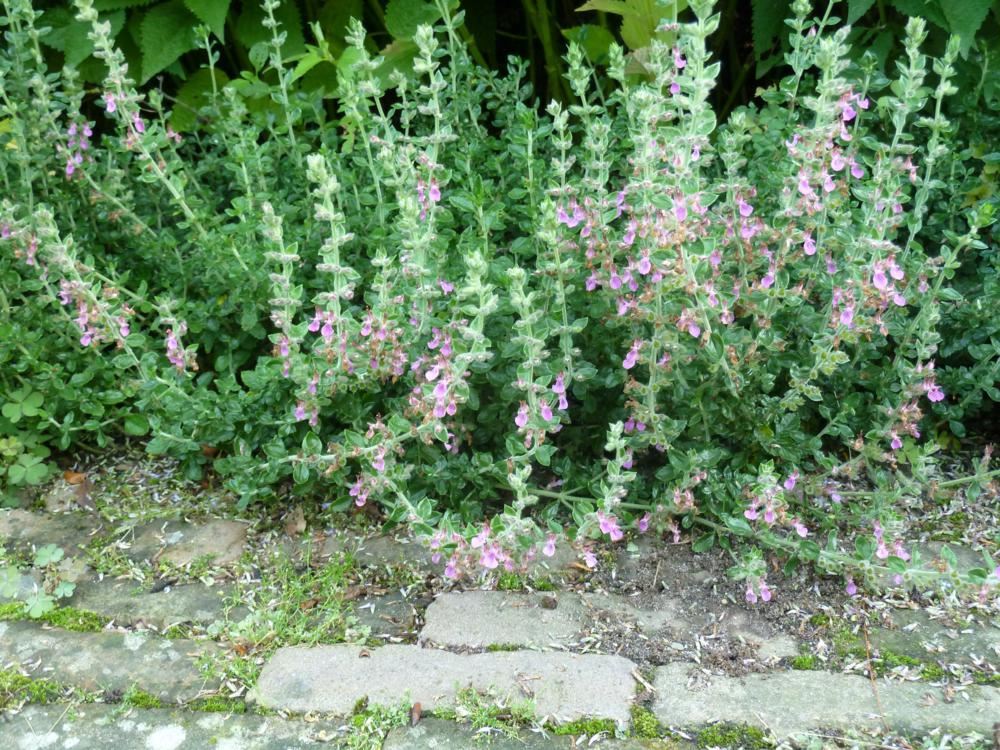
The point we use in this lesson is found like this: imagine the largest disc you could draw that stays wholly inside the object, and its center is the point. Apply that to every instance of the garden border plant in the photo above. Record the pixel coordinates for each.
(450, 302)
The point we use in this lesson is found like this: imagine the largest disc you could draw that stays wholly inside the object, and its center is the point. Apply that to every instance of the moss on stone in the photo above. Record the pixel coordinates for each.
(503, 647)
(218, 704)
(136, 697)
(644, 723)
(588, 727)
(732, 736)
(805, 662)
(67, 618)
(16, 688)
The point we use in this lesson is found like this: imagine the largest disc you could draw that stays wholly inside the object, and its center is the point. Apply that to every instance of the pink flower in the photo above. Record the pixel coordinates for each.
(750, 595)
(852, 587)
(545, 410)
(550, 546)
(435, 192)
(745, 208)
(800, 529)
(451, 569)
(633, 355)
(490, 557)
(934, 393)
(790, 481)
(643, 523)
(765, 592)
(589, 559)
(521, 419)
(446, 287)
(809, 244)
(480, 539)
(300, 411)
(609, 525)
(109, 102)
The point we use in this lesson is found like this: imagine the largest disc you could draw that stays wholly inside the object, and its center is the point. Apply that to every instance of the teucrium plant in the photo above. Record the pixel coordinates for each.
(499, 322)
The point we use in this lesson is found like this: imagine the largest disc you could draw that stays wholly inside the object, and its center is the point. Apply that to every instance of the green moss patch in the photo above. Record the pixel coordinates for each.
(732, 737)
(805, 662)
(644, 723)
(218, 704)
(589, 727)
(16, 688)
(66, 618)
(138, 698)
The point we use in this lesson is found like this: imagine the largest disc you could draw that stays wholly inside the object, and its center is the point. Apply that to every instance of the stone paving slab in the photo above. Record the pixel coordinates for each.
(391, 617)
(479, 619)
(108, 660)
(334, 678)
(918, 636)
(22, 529)
(128, 603)
(99, 727)
(437, 734)
(796, 701)
(183, 542)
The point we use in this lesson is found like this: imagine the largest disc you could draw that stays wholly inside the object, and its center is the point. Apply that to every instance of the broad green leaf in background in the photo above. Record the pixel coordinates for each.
(965, 17)
(250, 28)
(69, 35)
(165, 33)
(119, 4)
(212, 13)
(768, 23)
(640, 18)
(333, 18)
(594, 40)
(929, 9)
(192, 96)
(402, 17)
(857, 8)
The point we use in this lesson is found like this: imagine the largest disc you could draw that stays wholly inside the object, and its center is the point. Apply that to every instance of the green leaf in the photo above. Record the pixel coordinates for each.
(136, 424)
(767, 23)
(212, 13)
(640, 18)
(965, 18)
(191, 97)
(64, 589)
(738, 526)
(929, 9)
(250, 28)
(333, 18)
(12, 411)
(896, 564)
(949, 557)
(47, 555)
(10, 581)
(856, 9)
(300, 472)
(311, 444)
(864, 547)
(594, 40)
(402, 17)
(165, 33)
(39, 604)
(36, 474)
(809, 550)
(119, 4)
(69, 36)
(704, 543)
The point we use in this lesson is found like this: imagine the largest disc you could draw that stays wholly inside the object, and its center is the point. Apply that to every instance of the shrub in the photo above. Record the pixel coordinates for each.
(499, 323)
